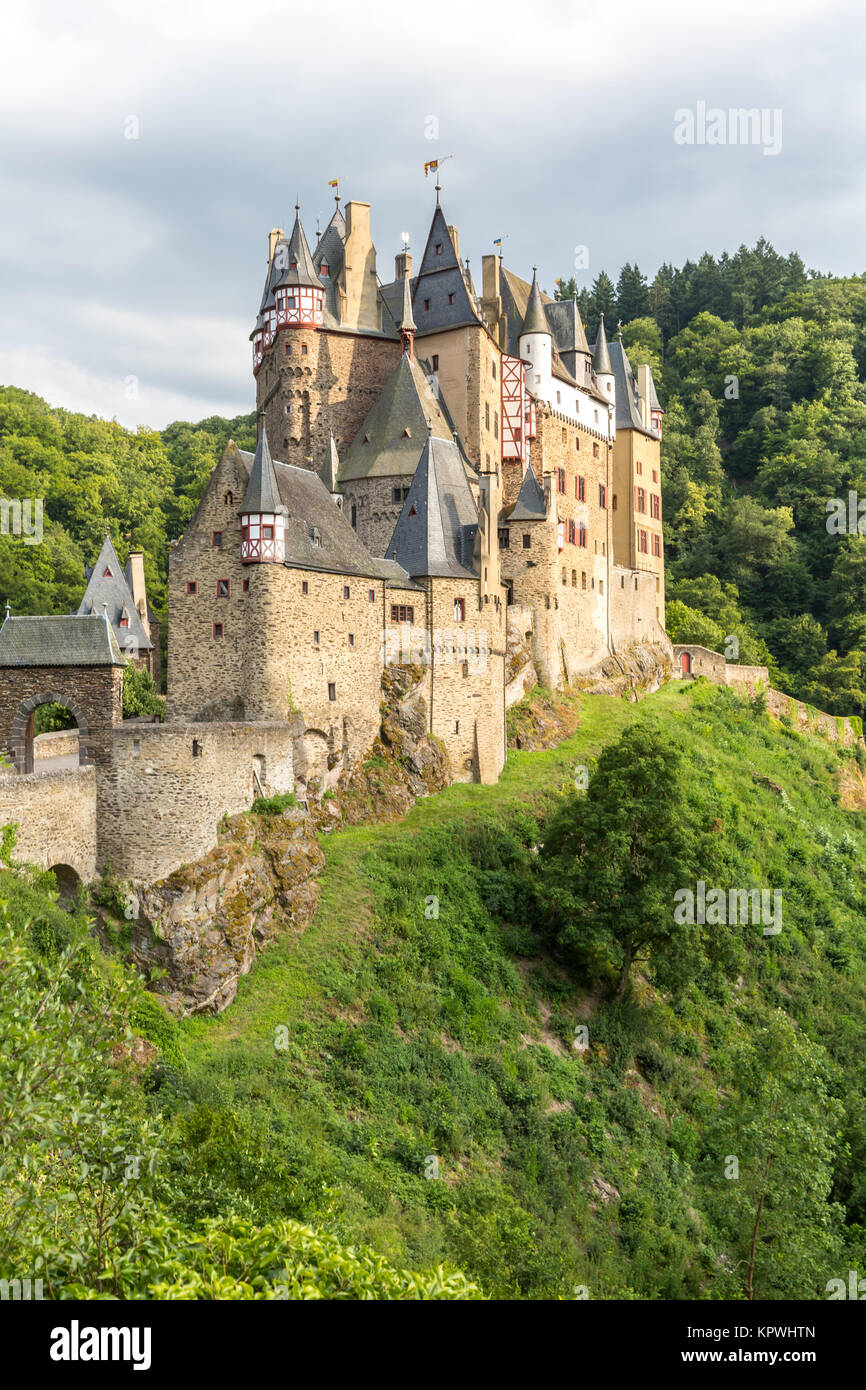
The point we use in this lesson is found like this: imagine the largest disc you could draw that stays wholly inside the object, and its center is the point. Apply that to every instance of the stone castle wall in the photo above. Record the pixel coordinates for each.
(376, 511)
(633, 602)
(56, 817)
(93, 694)
(314, 381)
(168, 785)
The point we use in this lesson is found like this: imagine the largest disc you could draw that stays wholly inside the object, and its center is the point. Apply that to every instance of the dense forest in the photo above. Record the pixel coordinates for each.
(760, 367)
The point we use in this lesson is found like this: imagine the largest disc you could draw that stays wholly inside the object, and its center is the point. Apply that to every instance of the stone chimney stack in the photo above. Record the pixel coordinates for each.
(274, 236)
(357, 284)
(643, 375)
(137, 586)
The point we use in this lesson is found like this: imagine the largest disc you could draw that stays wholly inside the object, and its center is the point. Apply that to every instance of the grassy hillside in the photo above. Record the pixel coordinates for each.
(413, 1040)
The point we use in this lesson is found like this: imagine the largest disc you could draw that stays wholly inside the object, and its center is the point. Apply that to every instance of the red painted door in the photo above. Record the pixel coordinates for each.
(686, 660)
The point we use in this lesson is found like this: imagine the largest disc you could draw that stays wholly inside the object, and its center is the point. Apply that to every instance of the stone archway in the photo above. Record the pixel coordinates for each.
(67, 880)
(21, 738)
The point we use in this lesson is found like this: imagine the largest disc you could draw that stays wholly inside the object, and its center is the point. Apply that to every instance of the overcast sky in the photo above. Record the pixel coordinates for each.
(136, 264)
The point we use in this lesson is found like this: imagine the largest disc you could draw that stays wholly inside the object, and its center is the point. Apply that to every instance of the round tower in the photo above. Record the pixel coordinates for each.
(536, 342)
(601, 364)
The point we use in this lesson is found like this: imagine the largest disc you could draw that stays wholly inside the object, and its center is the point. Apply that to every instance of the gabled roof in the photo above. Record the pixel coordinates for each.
(396, 427)
(435, 534)
(318, 536)
(535, 319)
(628, 416)
(531, 504)
(108, 586)
(262, 494)
(75, 640)
(600, 353)
(442, 281)
(293, 260)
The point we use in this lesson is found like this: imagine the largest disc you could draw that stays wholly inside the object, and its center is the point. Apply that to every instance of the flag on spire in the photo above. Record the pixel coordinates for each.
(497, 241)
(332, 183)
(431, 165)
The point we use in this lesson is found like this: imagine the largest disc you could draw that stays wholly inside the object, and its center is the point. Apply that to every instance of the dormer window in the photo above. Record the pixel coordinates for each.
(124, 622)
(427, 305)
(406, 435)
(316, 536)
(323, 269)
(439, 248)
(106, 573)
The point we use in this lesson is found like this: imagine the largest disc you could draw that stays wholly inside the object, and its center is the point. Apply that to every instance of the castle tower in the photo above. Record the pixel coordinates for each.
(536, 343)
(263, 516)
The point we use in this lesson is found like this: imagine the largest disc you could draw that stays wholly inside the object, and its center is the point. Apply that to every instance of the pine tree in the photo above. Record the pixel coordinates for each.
(632, 294)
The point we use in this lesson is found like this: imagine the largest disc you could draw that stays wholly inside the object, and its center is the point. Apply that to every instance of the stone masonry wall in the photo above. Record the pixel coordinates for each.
(94, 694)
(56, 817)
(633, 601)
(377, 513)
(314, 381)
(60, 743)
(170, 784)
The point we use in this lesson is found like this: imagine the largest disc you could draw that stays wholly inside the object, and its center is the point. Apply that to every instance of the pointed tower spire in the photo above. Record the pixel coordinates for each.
(263, 515)
(535, 320)
(601, 355)
(331, 467)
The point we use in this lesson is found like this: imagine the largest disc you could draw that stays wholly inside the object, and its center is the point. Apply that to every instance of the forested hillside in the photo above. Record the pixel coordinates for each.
(494, 1050)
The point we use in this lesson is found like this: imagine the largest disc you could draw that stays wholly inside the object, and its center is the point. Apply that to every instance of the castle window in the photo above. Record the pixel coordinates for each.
(457, 726)
(487, 415)
(581, 489)
(493, 367)
(577, 442)
(196, 748)
(316, 536)
(496, 424)
(124, 622)
(217, 538)
(595, 451)
(351, 639)
(288, 349)
(639, 499)
(371, 595)
(347, 592)
(427, 305)
(402, 613)
(412, 511)
(435, 361)
(574, 579)
(106, 573)
(559, 402)
(613, 502)
(622, 582)
(596, 413)
(601, 586)
(136, 747)
(191, 586)
(564, 579)
(560, 480)
(405, 435)
(229, 498)
(267, 533)
(527, 541)
(304, 349)
(655, 475)
(246, 586)
(217, 629)
(316, 637)
(222, 588)
(583, 579)
(602, 495)
(572, 533)
(656, 507)
(581, 535)
(332, 690)
(459, 610)
(305, 588)
(504, 538)
(642, 545)
(640, 467)
(323, 268)
(354, 517)
(657, 543)
(439, 248)
(450, 299)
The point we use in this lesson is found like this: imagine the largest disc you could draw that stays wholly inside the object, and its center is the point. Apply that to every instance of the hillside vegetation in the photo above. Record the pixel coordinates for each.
(409, 1076)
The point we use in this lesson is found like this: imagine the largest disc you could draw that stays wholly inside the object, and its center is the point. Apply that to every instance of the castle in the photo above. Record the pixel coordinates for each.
(447, 479)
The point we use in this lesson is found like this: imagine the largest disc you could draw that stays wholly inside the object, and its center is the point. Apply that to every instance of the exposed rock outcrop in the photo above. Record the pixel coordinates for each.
(632, 673)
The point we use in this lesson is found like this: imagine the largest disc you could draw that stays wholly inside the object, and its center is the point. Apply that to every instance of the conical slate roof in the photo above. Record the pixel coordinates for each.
(531, 504)
(535, 319)
(392, 436)
(601, 354)
(331, 467)
(436, 531)
(262, 494)
(294, 262)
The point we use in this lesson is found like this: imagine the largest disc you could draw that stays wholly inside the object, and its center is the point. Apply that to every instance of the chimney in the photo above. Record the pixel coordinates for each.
(452, 232)
(273, 237)
(359, 288)
(137, 586)
(403, 265)
(490, 277)
(643, 374)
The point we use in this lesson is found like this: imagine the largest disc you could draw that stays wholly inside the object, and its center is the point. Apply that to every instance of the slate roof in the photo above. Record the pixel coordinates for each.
(628, 416)
(311, 514)
(600, 353)
(114, 592)
(262, 493)
(440, 276)
(535, 319)
(654, 403)
(74, 640)
(294, 263)
(531, 504)
(395, 427)
(435, 535)
(564, 325)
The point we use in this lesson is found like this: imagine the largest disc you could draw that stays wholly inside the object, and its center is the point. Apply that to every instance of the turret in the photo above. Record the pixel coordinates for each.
(263, 515)
(407, 322)
(536, 342)
(601, 364)
(298, 291)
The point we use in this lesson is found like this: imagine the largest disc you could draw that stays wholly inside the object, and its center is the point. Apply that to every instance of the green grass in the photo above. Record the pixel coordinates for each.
(410, 1037)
